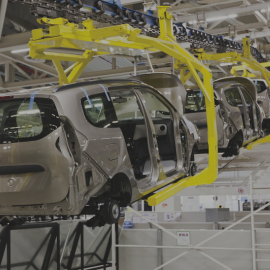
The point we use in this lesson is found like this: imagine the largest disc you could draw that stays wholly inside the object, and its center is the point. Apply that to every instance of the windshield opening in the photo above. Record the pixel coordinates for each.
(260, 86)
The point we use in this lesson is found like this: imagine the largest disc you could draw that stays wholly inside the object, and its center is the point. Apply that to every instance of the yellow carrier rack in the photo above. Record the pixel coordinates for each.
(123, 39)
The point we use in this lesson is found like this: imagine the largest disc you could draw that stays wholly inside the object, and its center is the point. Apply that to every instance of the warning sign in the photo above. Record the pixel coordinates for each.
(240, 190)
(183, 238)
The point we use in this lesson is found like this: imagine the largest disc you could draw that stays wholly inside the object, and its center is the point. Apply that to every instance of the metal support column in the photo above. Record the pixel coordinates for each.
(2, 15)
(254, 264)
(113, 247)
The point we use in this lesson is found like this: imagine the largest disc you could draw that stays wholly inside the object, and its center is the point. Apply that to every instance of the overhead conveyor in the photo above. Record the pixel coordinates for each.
(114, 13)
(62, 38)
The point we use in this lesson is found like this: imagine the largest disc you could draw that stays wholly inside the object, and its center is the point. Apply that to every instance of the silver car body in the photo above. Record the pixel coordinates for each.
(263, 95)
(77, 159)
(239, 119)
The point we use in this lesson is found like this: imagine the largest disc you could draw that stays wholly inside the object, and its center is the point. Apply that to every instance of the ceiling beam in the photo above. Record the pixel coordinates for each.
(2, 15)
(175, 9)
(84, 76)
(237, 28)
(15, 42)
(39, 66)
(223, 12)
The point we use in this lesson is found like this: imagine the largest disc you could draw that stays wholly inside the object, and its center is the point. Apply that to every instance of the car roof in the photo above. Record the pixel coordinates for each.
(55, 89)
(108, 83)
(246, 82)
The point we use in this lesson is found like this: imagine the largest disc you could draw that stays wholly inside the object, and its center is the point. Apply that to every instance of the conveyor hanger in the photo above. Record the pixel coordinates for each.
(248, 62)
(124, 39)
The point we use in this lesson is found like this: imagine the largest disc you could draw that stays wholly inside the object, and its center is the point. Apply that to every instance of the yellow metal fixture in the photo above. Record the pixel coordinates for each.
(247, 72)
(258, 142)
(124, 39)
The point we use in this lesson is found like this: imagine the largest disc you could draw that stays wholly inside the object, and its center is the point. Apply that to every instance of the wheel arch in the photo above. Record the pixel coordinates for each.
(118, 188)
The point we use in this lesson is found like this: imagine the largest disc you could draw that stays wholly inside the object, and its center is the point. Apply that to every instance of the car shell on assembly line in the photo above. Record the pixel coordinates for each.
(239, 117)
(62, 146)
(263, 95)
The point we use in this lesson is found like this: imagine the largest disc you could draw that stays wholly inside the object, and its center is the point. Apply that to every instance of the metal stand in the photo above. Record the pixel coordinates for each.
(78, 234)
(115, 248)
(53, 240)
(53, 236)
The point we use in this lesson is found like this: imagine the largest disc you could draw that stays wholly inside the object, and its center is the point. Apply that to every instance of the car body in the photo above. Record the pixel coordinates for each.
(239, 117)
(263, 95)
(62, 148)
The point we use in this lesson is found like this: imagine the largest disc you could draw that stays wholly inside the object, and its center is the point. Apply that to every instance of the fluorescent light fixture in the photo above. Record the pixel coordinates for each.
(21, 50)
(232, 16)
(216, 19)
(225, 64)
(221, 18)
(263, 10)
(192, 22)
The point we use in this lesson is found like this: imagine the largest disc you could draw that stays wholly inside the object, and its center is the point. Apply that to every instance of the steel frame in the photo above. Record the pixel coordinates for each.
(53, 236)
(53, 239)
(78, 235)
(125, 39)
(246, 58)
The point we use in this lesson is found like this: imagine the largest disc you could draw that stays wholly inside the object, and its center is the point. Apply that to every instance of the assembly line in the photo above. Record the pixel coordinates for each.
(94, 150)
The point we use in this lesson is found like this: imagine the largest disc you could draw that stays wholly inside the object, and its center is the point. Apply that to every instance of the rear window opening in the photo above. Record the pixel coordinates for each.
(24, 120)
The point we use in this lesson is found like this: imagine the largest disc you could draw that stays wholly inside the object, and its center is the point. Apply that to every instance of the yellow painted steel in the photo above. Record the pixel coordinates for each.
(124, 39)
(233, 57)
(258, 142)
(247, 72)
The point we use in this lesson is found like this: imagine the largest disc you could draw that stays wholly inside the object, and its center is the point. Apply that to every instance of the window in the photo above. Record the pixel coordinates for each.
(156, 108)
(22, 121)
(99, 111)
(195, 102)
(126, 105)
(233, 97)
(246, 96)
(260, 86)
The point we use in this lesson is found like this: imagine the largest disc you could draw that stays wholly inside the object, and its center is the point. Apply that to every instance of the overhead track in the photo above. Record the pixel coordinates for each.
(109, 12)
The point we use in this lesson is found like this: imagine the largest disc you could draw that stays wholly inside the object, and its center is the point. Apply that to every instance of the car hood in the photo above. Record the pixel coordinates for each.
(246, 82)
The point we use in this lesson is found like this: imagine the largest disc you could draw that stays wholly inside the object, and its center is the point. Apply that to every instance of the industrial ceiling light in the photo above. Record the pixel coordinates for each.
(21, 50)
(220, 18)
(216, 18)
(232, 16)
(226, 64)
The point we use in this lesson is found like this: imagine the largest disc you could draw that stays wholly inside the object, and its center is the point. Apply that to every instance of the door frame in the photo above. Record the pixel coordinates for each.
(253, 108)
(176, 121)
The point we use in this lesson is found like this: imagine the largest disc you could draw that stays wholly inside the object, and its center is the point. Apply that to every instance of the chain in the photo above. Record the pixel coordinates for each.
(103, 12)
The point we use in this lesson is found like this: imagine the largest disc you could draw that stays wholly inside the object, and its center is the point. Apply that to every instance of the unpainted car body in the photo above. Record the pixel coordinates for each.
(239, 117)
(61, 147)
(263, 95)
